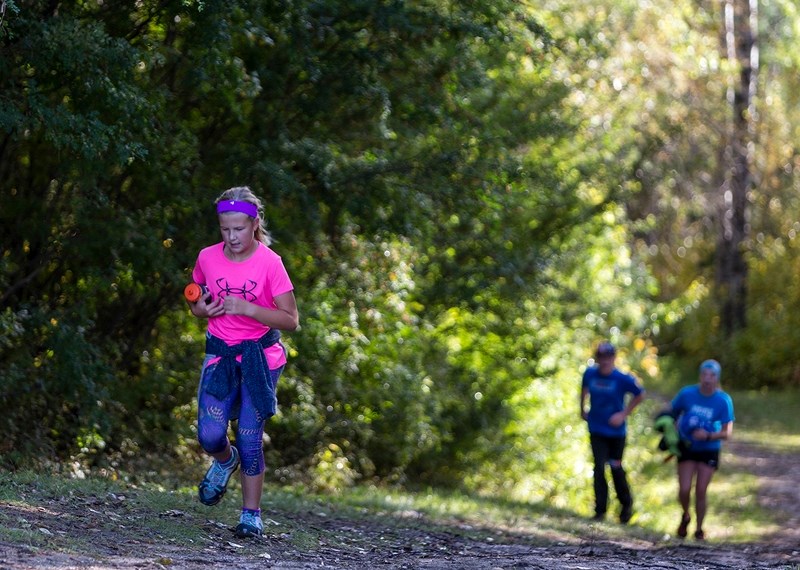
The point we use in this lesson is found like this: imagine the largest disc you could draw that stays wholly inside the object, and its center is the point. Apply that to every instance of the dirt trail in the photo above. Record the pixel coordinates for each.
(398, 544)
(779, 486)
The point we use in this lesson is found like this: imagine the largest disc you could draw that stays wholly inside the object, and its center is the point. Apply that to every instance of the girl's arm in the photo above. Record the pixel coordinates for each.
(284, 318)
(725, 433)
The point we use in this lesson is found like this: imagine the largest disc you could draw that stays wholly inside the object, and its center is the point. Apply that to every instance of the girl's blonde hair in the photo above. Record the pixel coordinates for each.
(244, 194)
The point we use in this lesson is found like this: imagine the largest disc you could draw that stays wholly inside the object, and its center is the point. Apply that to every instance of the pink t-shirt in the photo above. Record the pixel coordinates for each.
(259, 279)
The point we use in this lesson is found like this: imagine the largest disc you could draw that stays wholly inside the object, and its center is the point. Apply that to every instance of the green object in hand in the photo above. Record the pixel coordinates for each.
(665, 423)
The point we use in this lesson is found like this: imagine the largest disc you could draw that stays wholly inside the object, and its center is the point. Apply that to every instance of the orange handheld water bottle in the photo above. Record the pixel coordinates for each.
(194, 292)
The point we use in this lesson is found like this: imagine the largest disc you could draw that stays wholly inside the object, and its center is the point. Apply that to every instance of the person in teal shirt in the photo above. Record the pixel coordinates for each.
(607, 388)
(704, 419)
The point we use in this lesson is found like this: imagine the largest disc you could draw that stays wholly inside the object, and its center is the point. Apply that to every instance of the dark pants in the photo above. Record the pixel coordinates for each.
(608, 450)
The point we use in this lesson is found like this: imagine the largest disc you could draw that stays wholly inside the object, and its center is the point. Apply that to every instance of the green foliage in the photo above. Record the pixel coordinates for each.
(467, 197)
(62, 380)
(748, 361)
(361, 391)
(391, 145)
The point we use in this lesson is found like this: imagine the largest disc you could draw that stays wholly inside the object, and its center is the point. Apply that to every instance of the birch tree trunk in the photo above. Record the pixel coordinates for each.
(741, 49)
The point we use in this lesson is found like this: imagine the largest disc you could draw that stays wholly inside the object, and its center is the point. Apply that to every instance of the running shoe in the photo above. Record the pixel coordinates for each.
(626, 514)
(249, 525)
(684, 526)
(213, 486)
(699, 534)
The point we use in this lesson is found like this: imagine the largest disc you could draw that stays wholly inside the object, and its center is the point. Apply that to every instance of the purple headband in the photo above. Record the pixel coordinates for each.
(237, 206)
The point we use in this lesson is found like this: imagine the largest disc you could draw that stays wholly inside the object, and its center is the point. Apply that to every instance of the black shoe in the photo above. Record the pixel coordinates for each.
(684, 526)
(626, 514)
(699, 534)
(599, 516)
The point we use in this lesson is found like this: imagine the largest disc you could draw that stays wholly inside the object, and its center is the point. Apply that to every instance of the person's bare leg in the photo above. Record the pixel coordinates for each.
(686, 471)
(223, 455)
(704, 475)
(252, 487)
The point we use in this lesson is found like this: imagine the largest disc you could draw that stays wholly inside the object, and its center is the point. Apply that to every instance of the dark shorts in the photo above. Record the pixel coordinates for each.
(709, 457)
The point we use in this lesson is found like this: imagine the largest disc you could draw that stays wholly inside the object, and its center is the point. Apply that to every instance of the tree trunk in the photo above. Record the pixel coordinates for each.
(741, 49)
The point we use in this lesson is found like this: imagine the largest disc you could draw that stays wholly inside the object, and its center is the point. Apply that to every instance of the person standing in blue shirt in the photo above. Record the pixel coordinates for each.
(606, 389)
(704, 418)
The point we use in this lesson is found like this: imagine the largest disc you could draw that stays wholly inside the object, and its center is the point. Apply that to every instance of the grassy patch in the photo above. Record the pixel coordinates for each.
(76, 513)
(42, 510)
(768, 418)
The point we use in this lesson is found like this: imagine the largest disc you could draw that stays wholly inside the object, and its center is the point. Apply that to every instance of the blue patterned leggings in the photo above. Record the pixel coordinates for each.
(214, 416)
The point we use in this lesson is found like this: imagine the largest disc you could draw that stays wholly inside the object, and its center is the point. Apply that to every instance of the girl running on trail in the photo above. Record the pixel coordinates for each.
(250, 299)
(704, 418)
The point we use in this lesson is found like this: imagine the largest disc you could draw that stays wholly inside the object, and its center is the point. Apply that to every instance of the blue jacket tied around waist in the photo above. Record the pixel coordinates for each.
(255, 371)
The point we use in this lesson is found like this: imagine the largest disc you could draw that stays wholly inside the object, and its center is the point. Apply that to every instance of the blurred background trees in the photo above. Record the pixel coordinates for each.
(467, 195)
